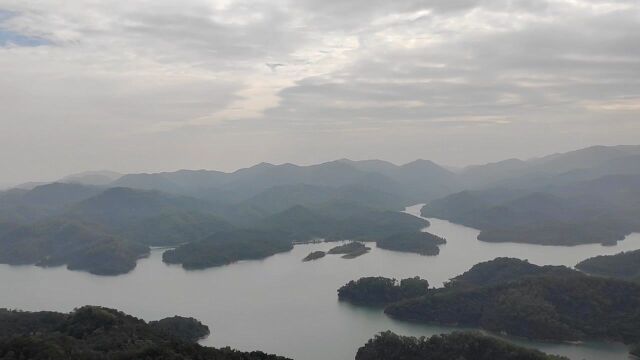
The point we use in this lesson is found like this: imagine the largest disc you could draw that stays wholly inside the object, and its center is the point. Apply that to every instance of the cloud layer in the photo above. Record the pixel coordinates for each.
(157, 84)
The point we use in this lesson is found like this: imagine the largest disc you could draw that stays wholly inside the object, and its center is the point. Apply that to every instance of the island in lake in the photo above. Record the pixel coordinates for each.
(314, 255)
(350, 250)
(511, 296)
(422, 243)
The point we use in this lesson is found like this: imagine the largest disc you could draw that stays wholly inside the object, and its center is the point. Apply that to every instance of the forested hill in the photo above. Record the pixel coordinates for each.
(544, 303)
(101, 333)
(625, 265)
(458, 345)
(511, 296)
(595, 211)
(106, 232)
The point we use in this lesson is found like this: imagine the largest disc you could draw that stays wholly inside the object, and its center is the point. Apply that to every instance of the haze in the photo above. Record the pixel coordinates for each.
(161, 85)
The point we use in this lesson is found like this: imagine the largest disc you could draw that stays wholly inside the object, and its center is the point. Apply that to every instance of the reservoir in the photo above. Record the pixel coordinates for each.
(285, 306)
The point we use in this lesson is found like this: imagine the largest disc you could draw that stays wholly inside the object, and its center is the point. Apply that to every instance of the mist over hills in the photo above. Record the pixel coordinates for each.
(603, 210)
(421, 179)
(584, 164)
(585, 196)
(92, 178)
(425, 178)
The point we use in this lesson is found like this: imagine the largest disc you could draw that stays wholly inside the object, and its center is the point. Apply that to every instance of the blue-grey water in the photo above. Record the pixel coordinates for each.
(283, 305)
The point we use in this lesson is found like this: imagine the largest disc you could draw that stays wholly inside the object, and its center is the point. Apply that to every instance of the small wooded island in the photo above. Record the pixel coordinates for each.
(350, 250)
(92, 332)
(422, 243)
(314, 255)
(511, 296)
(457, 345)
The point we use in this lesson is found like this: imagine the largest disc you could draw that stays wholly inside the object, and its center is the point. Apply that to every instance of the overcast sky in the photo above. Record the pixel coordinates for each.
(138, 86)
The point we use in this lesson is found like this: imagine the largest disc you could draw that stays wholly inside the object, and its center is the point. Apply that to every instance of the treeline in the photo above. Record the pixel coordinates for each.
(376, 291)
(625, 265)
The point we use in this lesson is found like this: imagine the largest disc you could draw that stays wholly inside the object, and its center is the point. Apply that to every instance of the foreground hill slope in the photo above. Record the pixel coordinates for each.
(458, 345)
(101, 333)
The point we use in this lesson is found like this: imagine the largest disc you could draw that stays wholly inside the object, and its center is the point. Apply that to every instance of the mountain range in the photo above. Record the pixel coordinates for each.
(588, 195)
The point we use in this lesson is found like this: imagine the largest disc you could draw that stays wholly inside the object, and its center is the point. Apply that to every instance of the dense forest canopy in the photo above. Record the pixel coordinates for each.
(184, 328)
(547, 303)
(625, 265)
(503, 270)
(458, 345)
(376, 291)
(552, 308)
(511, 296)
(100, 333)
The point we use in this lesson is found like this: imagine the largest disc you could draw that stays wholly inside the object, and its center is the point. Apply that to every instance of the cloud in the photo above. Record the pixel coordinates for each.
(11, 38)
(488, 63)
(184, 83)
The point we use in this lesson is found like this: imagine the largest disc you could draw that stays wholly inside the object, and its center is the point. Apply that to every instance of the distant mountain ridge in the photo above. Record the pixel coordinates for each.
(419, 179)
(583, 164)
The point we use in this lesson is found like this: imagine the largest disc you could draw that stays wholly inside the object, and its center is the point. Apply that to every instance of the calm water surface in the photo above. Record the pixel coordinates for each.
(282, 305)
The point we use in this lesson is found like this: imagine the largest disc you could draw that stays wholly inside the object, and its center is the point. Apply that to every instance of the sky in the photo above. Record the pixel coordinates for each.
(157, 85)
